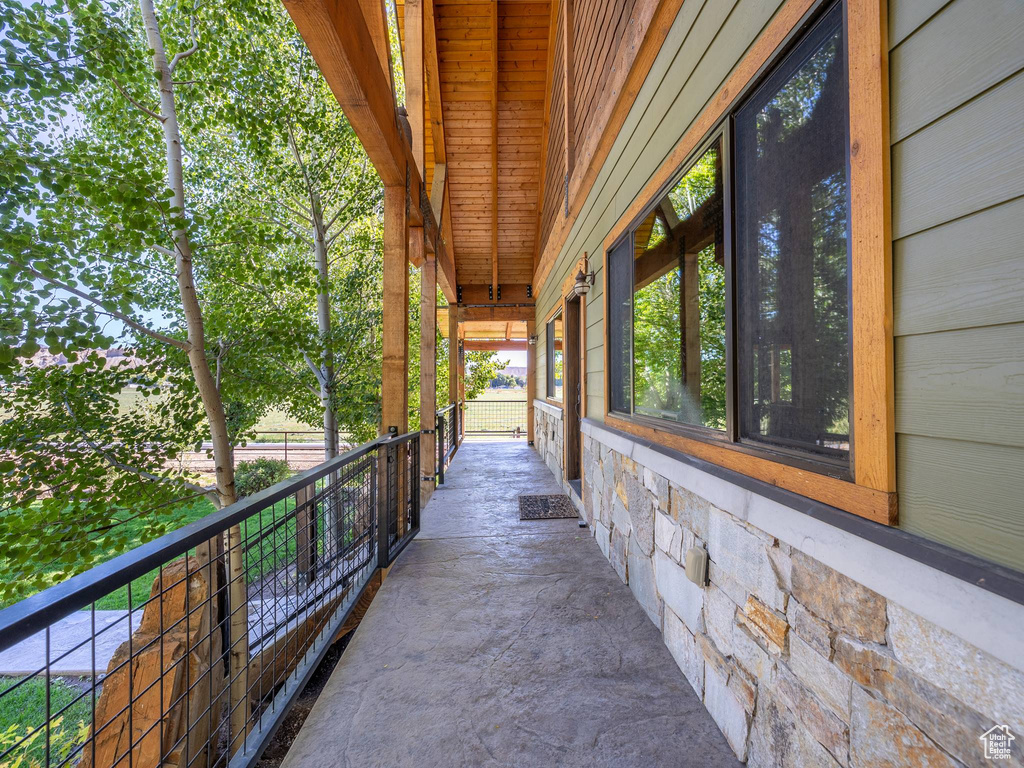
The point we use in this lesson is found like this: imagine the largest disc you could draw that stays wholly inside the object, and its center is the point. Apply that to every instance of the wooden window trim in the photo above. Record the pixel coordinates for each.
(872, 491)
(568, 286)
(559, 308)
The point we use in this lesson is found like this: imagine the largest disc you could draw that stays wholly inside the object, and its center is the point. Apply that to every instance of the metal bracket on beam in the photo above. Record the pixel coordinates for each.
(458, 294)
(499, 292)
(529, 291)
(490, 292)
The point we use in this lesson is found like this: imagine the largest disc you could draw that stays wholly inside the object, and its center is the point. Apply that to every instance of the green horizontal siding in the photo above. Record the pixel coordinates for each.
(957, 108)
(962, 51)
(957, 111)
(965, 273)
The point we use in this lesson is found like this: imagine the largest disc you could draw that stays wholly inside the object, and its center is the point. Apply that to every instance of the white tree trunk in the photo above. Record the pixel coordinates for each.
(325, 376)
(208, 391)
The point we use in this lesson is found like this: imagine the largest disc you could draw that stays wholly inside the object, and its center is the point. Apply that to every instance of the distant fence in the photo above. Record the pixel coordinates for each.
(494, 417)
(225, 621)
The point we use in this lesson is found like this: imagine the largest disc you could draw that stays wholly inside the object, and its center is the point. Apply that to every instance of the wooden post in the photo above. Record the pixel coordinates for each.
(462, 384)
(531, 378)
(395, 372)
(395, 367)
(305, 533)
(453, 353)
(428, 373)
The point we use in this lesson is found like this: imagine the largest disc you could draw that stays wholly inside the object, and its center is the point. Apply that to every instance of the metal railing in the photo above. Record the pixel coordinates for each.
(190, 649)
(447, 431)
(496, 417)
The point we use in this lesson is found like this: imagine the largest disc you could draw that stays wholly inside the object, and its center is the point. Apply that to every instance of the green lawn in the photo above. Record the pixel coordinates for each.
(278, 548)
(275, 420)
(24, 709)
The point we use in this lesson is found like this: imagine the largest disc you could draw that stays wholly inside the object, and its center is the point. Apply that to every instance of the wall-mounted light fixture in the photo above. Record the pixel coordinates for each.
(532, 340)
(584, 278)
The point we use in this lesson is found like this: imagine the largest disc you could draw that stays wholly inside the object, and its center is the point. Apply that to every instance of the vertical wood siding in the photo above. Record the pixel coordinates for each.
(554, 153)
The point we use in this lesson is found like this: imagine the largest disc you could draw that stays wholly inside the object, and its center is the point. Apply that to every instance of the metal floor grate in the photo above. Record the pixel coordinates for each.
(547, 507)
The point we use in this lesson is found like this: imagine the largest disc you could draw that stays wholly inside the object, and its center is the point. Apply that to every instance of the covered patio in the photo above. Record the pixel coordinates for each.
(495, 641)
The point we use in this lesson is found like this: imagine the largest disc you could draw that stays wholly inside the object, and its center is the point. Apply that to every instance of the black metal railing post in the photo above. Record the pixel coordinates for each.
(384, 507)
(440, 431)
(413, 523)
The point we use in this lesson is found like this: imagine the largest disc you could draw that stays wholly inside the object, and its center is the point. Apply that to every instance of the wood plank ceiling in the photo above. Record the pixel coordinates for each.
(491, 56)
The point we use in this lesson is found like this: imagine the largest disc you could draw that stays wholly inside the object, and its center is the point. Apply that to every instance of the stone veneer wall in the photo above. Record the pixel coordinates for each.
(549, 436)
(798, 663)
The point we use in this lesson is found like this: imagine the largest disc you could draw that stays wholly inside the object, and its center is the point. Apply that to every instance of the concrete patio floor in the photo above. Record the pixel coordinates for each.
(496, 642)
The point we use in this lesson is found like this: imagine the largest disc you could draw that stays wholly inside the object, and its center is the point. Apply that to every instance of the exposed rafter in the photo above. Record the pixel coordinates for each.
(499, 345)
(414, 77)
(433, 76)
(498, 313)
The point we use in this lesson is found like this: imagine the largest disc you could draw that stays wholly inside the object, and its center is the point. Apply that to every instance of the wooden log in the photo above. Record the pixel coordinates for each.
(160, 682)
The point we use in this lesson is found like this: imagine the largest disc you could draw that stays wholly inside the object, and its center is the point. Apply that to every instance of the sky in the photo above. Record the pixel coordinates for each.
(516, 358)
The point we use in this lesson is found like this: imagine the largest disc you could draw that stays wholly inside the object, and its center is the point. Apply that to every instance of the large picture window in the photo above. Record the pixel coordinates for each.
(792, 259)
(679, 301)
(737, 328)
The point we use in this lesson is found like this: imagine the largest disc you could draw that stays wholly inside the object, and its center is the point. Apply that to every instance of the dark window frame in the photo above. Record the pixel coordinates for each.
(724, 131)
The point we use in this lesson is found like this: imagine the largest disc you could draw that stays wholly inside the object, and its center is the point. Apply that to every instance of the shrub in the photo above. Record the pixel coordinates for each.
(256, 475)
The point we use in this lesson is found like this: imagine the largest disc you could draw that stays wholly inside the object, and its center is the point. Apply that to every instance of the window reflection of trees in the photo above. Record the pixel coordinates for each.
(679, 316)
(793, 297)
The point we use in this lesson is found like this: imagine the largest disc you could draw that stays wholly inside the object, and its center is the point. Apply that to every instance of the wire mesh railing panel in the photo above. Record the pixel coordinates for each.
(403, 505)
(447, 431)
(189, 650)
(496, 417)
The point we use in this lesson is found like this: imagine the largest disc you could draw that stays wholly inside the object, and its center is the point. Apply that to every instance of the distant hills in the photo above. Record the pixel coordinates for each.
(113, 357)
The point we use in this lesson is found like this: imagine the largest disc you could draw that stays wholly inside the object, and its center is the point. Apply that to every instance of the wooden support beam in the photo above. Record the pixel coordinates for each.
(494, 147)
(498, 313)
(453, 355)
(437, 193)
(496, 345)
(428, 375)
(511, 293)
(446, 272)
(377, 22)
(433, 76)
(414, 80)
(569, 85)
(345, 45)
(349, 44)
(395, 373)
